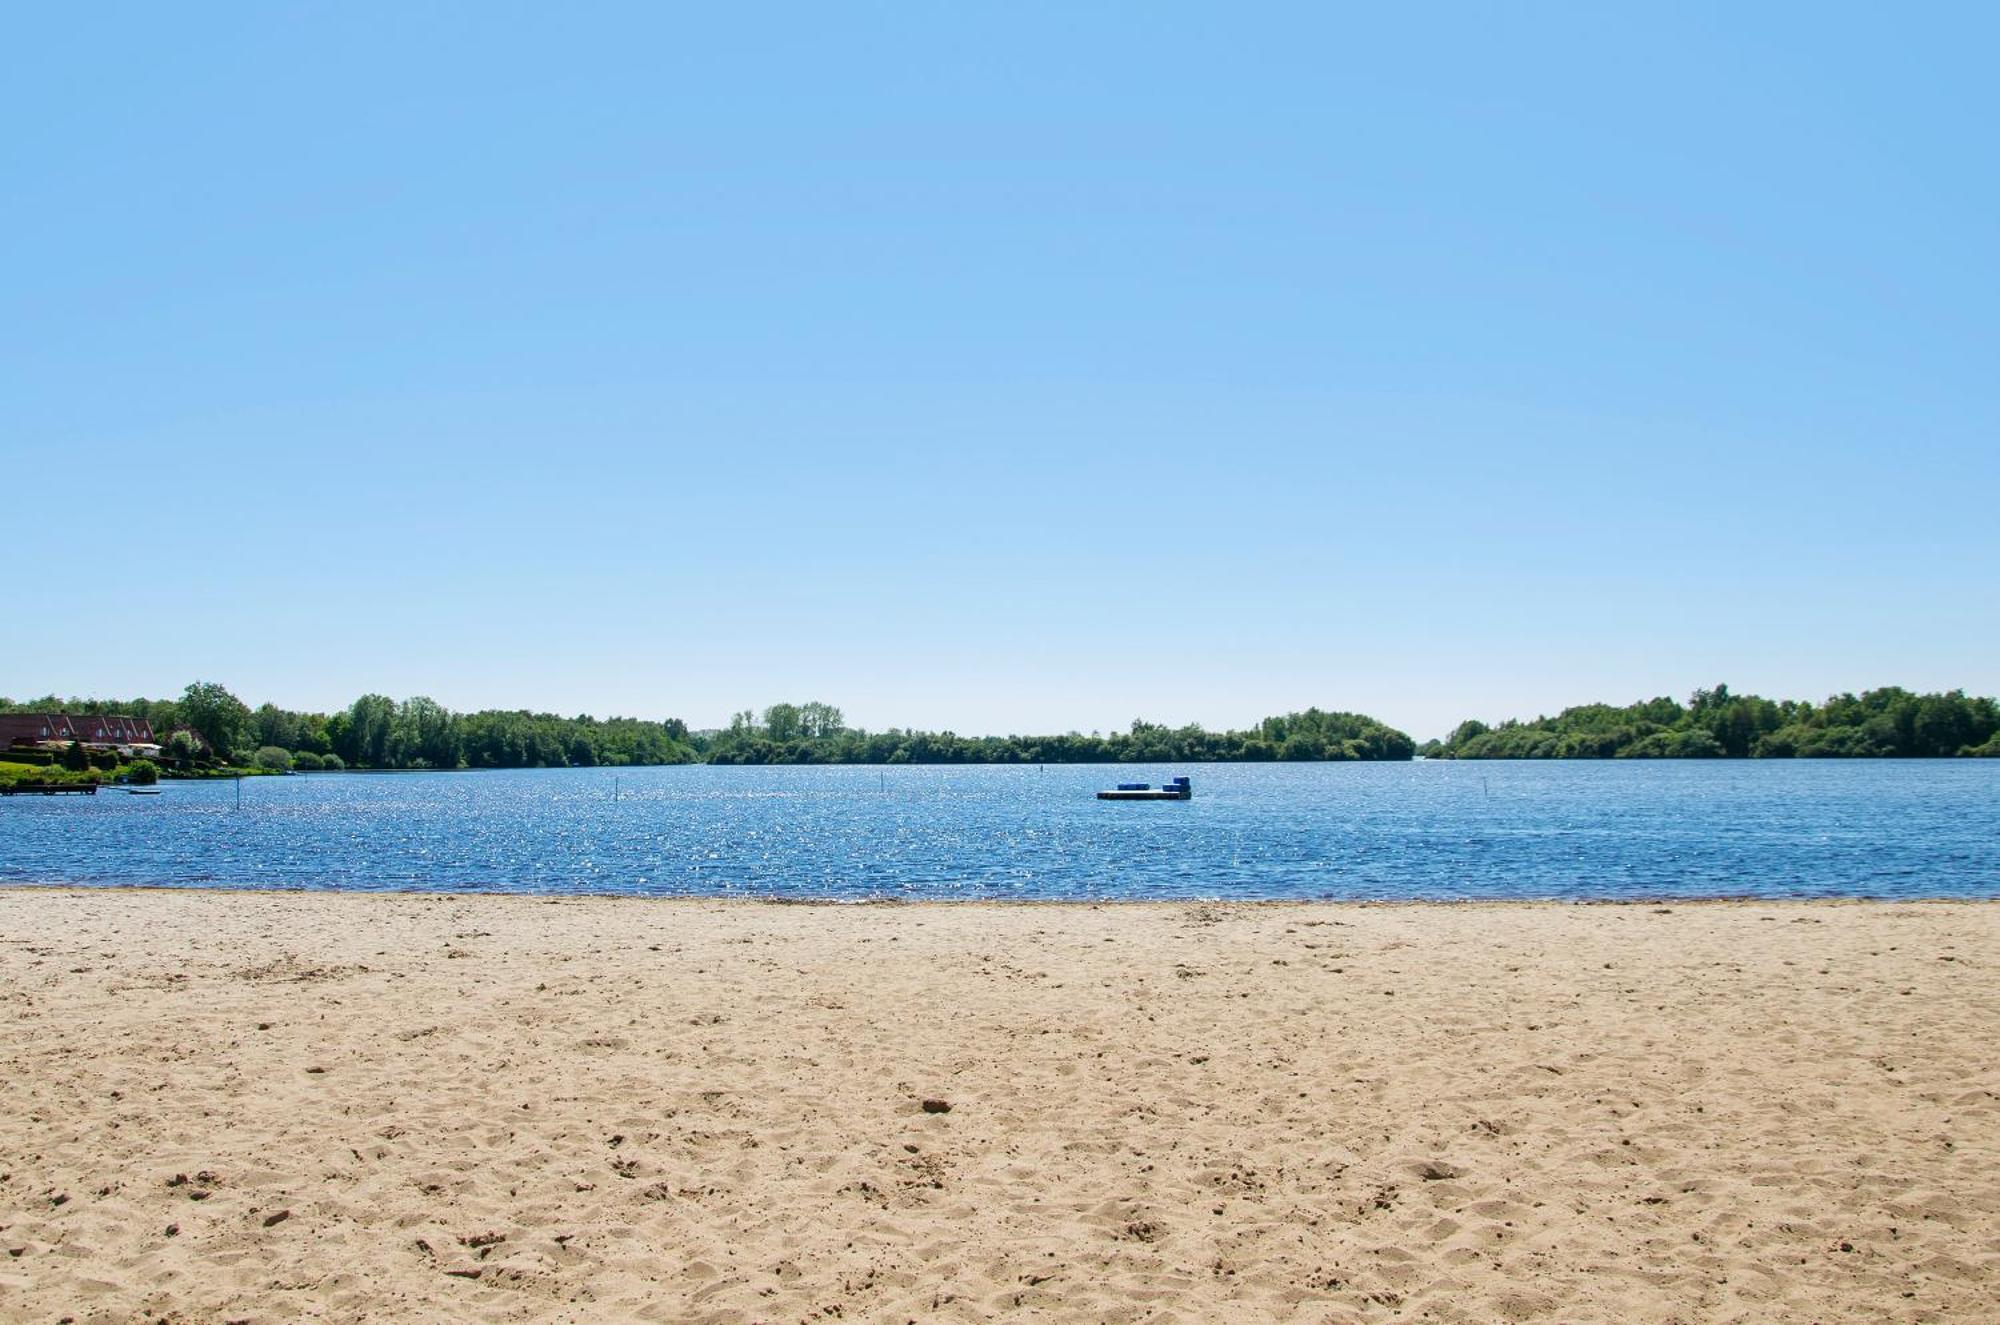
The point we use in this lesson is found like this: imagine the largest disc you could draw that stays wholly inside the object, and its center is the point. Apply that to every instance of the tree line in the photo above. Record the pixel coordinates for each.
(1715, 724)
(381, 733)
(376, 732)
(815, 734)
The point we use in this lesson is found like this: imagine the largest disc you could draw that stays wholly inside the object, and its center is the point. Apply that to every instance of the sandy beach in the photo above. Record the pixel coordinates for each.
(261, 1108)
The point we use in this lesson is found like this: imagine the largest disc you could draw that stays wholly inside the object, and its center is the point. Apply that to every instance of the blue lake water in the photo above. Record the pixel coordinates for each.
(1580, 830)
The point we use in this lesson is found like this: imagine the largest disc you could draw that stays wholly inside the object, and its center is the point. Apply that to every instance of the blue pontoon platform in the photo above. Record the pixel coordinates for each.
(1177, 790)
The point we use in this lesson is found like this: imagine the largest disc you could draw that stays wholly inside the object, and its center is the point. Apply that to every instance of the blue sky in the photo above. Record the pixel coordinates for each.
(1003, 369)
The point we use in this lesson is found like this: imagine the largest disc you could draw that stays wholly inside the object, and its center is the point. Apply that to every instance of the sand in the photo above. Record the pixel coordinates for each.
(257, 1107)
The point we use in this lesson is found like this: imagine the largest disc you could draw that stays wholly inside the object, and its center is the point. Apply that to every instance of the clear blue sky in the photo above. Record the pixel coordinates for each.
(1009, 368)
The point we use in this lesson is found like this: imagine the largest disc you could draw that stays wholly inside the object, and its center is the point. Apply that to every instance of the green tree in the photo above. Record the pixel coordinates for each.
(1304, 745)
(183, 748)
(426, 734)
(1466, 730)
(271, 725)
(371, 722)
(219, 716)
(820, 722)
(782, 722)
(340, 735)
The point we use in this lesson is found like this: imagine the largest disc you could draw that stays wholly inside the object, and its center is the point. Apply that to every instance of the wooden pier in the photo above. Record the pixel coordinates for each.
(48, 788)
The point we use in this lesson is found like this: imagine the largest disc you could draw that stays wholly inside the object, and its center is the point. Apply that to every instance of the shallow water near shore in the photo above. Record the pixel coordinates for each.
(1416, 831)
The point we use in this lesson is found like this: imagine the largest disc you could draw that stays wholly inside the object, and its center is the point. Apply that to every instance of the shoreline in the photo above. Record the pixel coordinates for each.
(1090, 903)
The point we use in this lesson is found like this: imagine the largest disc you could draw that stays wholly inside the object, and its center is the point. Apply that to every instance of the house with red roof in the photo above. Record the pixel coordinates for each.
(93, 731)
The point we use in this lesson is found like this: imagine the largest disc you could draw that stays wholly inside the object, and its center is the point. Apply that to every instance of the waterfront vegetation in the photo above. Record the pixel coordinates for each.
(20, 767)
(378, 733)
(1715, 724)
(209, 732)
(103, 769)
(782, 738)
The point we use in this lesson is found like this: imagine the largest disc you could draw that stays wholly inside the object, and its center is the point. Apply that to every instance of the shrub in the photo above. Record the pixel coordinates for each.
(143, 773)
(271, 757)
(305, 761)
(76, 758)
(1843, 743)
(53, 774)
(332, 763)
(1695, 744)
(1783, 743)
(1305, 745)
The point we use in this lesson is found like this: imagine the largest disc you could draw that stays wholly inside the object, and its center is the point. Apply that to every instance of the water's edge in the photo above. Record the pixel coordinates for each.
(750, 900)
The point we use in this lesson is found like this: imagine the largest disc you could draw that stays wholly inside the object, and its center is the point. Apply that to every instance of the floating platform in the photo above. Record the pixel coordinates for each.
(49, 789)
(1177, 790)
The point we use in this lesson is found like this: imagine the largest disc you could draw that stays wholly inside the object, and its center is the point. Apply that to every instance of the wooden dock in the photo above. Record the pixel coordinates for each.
(48, 789)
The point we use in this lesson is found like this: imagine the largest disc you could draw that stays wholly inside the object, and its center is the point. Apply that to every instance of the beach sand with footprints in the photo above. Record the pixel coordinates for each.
(280, 1107)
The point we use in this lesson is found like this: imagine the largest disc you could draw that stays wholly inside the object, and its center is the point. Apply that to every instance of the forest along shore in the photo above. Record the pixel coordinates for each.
(376, 732)
(230, 1105)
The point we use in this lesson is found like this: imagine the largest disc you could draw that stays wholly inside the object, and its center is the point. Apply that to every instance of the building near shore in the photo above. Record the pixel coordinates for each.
(131, 737)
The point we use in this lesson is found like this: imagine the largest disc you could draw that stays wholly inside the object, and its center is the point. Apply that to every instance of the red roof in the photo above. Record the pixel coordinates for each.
(89, 728)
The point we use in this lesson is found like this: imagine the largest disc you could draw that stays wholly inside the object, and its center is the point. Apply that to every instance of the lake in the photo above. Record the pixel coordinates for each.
(1433, 830)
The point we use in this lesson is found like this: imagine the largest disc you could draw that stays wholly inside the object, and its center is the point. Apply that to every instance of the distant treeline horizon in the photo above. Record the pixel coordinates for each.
(1714, 724)
(376, 732)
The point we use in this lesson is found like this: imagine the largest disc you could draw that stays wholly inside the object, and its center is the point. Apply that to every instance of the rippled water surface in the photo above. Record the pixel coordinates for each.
(1418, 830)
